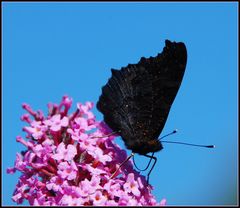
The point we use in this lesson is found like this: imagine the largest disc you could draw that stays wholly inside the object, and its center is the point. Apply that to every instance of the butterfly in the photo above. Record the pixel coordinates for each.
(137, 99)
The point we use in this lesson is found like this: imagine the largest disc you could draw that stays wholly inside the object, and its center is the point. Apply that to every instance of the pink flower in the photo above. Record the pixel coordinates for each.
(98, 198)
(83, 124)
(24, 142)
(55, 122)
(113, 188)
(84, 109)
(131, 186)
(132, 202)
(36, 130)
(43, 151)
(89, 187)
(163, 202)
(100, 156)
(85, 187)
(74, 134)
(67, 200)
(26, 118)
(55, 184)
(11, 170)
(40, 200)
(64, 163)
(64, 153)
(66, 102)
(19, 163)
(68, 171)
(111, 203)
(17, 197)
(87, 143)
(95, 170)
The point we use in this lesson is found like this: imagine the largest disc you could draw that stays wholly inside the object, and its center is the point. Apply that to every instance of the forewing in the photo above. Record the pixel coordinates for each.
(167, 70)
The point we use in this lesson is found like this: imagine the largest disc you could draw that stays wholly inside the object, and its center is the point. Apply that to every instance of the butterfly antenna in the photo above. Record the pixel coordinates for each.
(128, 158)
(175, 142)
(173, 132)
(197, 145)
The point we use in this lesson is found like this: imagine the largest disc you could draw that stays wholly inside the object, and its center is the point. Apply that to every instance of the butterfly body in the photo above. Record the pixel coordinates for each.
(137, 99)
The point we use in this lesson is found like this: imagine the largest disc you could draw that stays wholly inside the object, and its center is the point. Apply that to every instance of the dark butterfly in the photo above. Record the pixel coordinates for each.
(137, 99)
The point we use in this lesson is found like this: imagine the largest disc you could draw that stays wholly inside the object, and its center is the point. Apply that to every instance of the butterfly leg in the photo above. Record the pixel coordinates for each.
(154, 163)
(147, 164)
(128, 158)
(106, 135)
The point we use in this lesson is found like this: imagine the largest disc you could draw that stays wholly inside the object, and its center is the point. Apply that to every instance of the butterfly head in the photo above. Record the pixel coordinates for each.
(143, 147)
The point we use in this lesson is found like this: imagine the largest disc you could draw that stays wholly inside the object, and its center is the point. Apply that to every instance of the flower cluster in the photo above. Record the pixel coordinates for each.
(70, 159)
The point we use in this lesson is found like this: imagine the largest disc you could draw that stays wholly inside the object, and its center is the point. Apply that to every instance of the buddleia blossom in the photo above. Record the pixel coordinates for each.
(70, 159)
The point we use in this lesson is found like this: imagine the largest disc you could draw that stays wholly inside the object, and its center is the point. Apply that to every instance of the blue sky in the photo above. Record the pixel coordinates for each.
(52, 49)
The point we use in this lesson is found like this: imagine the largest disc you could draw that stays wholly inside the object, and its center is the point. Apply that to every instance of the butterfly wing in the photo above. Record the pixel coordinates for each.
(137, 99)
